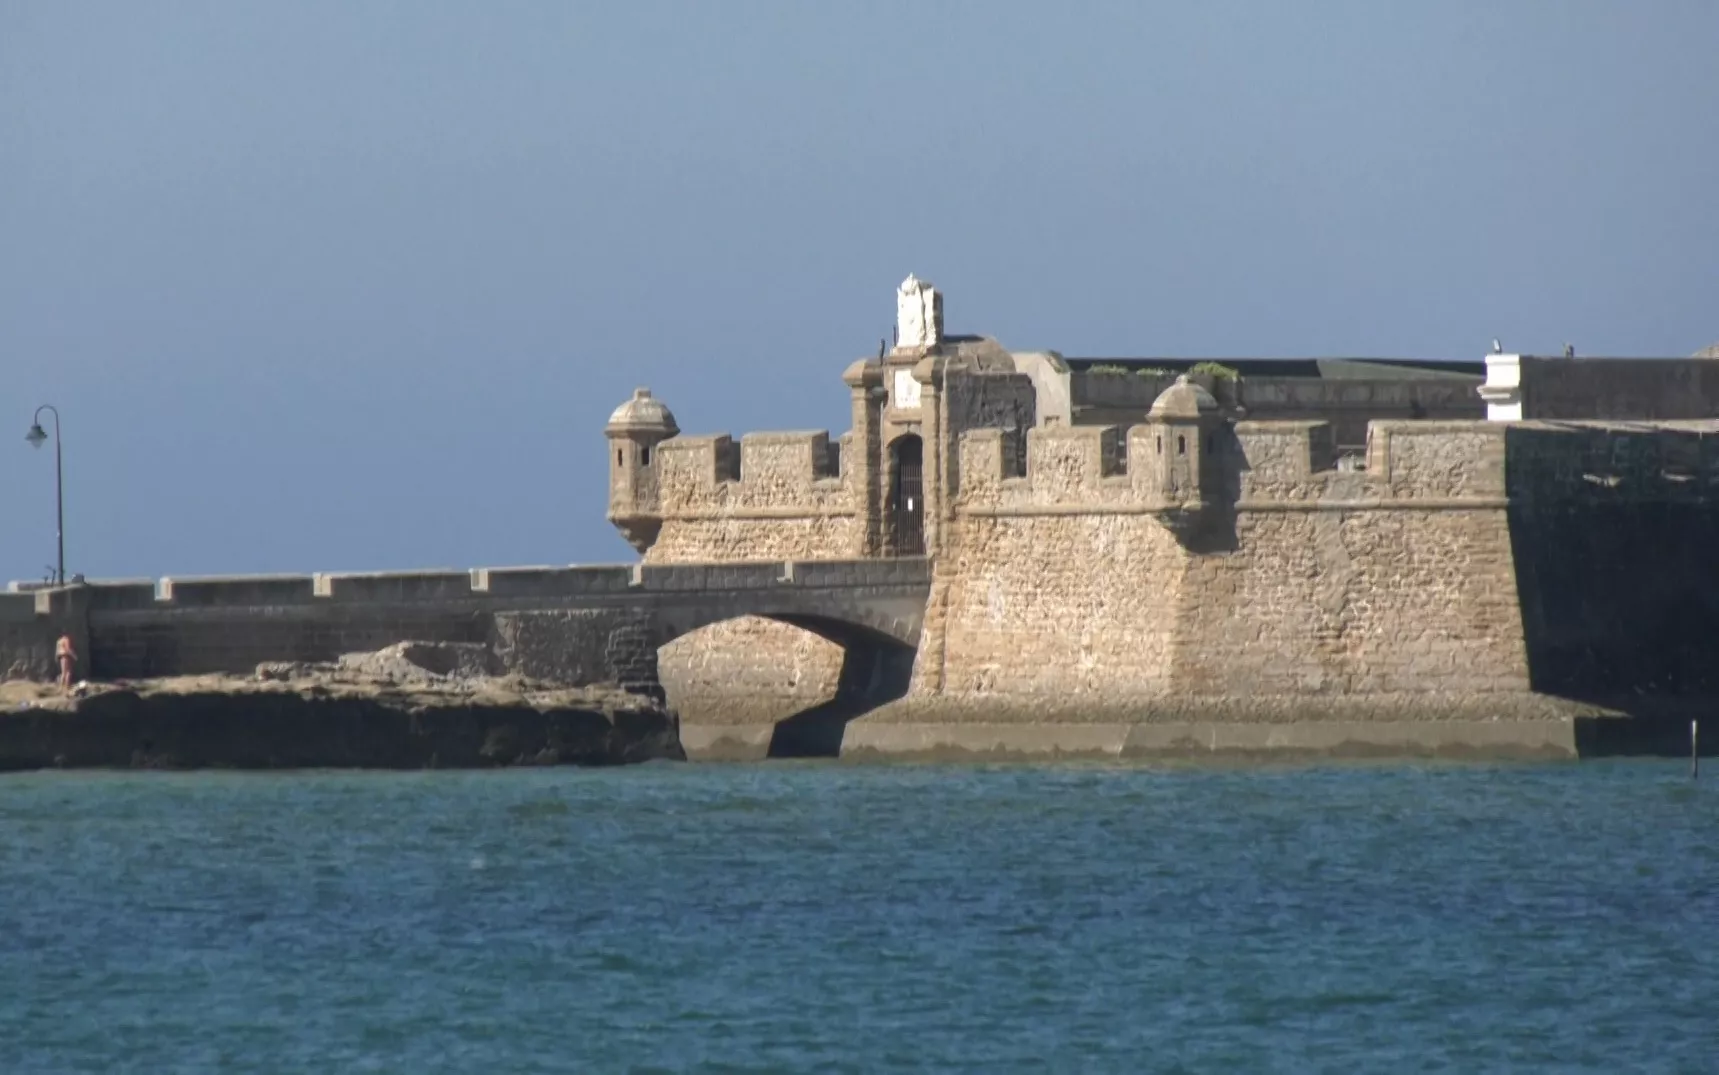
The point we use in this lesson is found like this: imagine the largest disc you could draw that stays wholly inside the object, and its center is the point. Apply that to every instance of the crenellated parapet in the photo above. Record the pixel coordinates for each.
(1276, 466)
(1417, 464)
(1600, 463)
(791, 471)
(1241, 467)
(1177, 466)
(770, 494)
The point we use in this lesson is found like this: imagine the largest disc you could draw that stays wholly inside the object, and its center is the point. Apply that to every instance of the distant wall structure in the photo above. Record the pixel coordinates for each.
(1532, 387)
(1346, 393)
(1183, 544)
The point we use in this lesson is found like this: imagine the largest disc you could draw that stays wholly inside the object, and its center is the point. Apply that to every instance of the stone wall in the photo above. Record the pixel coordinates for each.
(581, 645)
(774, 496)
(1348, 404)
(790, 499)
(1632, 389)
(230, 625)
(1308, 580)
(569, 626)
(1615, 532)
(30, 625)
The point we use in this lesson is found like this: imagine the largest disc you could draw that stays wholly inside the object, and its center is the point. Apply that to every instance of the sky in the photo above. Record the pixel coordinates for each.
(326, 286)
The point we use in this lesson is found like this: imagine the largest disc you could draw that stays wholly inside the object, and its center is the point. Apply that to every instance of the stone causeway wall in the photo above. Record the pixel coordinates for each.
(569, 625)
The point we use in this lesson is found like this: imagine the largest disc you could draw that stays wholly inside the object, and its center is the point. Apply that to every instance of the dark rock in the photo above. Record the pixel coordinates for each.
(244, 724)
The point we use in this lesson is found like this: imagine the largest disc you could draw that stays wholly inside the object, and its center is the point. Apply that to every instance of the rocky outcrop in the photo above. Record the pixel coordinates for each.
(410, 706)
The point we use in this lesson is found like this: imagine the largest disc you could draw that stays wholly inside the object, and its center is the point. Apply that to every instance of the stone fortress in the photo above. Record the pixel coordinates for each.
(1153, 555)
(1026, 554)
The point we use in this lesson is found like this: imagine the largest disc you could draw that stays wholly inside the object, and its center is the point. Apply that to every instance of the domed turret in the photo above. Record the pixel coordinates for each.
(1184, 399)
(635, 429)
(644, 413)
(1186, 422)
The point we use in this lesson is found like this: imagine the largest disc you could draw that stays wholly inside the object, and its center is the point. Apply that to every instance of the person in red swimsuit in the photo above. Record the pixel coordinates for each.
(67, 655)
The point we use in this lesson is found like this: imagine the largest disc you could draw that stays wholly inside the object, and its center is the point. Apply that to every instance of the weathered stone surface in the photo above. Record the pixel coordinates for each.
(748, 671)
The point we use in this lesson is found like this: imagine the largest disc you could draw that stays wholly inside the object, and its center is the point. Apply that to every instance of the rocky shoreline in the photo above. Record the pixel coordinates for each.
(410, 706)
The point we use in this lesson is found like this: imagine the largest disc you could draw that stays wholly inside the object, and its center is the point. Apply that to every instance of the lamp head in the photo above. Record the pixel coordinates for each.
(37, 436)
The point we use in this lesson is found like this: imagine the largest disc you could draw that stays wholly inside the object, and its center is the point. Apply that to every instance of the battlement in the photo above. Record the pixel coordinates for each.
(1411, 463)
(775, 470)
(1250, 464)
(1613, 462)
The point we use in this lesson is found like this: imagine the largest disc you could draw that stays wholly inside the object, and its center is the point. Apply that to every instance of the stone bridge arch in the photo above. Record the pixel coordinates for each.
(721, 646)
(861, 626)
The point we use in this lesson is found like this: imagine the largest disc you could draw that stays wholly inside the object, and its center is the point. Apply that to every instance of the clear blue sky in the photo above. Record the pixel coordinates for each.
(352, 286)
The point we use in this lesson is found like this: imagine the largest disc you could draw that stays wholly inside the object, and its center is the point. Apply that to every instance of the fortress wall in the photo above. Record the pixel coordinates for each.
(1314, 602)
(1280, 455)
(1614, 530)
(1619, 388)
(1065, 465)
(1435, 460)
(792, 501)
(1612, 461)
(774, 496)
(1028, 612)
(1096, 467)
(1005, 403)
(1345, 602)
(1312, 582)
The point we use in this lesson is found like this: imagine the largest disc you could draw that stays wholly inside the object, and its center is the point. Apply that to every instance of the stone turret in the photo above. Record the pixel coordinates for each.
(634, 431)
(1187, 463)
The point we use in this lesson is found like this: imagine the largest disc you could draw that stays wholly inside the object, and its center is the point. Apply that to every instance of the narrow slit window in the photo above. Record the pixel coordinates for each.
(644, 457)
(1181, 445)
(620, 457)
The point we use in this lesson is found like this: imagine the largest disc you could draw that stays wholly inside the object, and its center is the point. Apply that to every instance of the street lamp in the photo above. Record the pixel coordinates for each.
(37, 437)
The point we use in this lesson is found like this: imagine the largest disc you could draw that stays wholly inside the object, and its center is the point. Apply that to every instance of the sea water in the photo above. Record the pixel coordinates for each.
(831, 917)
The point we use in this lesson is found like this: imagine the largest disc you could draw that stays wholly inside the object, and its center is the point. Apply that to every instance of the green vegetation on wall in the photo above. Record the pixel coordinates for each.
(1215, 369)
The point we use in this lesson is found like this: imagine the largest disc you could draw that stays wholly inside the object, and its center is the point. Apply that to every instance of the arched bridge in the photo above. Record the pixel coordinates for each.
(842, 600)
(576, 623)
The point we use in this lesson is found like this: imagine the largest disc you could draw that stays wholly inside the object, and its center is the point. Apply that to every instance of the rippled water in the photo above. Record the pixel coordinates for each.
(791, 917)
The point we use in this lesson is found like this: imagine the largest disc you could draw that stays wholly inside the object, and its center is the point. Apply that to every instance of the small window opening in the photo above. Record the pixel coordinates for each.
(620, 457)
(1181, 445)
(644, 457)
(1160, 444)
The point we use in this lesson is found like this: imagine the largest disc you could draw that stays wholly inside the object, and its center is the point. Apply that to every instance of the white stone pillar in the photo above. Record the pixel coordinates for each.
(1503, 389)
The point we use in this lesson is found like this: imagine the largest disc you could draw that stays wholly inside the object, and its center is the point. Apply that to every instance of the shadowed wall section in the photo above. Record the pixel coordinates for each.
(1615, 532)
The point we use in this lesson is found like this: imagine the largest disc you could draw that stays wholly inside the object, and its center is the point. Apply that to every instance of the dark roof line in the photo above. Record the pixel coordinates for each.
(1298, 367)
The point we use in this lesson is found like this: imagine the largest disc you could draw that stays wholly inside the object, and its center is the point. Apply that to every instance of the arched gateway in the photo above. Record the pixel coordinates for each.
(905, 517)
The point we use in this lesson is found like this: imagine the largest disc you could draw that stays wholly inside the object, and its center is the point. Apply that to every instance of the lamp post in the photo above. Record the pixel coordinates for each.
(37, 437)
